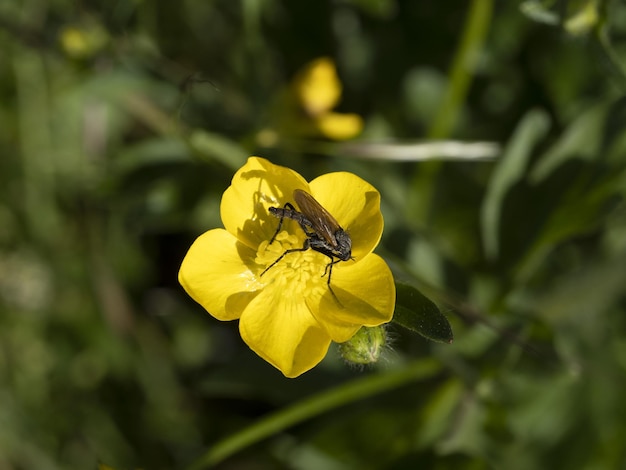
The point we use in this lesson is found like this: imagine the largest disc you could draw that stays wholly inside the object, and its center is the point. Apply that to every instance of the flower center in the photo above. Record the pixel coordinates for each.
(298, 272)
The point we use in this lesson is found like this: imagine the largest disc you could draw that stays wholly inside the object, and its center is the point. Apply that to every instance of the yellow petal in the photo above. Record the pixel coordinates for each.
(256, 186)
(317, 86)
(339, 126)
(281, 329)
(366, 294)
(216, 274)
(355, 204)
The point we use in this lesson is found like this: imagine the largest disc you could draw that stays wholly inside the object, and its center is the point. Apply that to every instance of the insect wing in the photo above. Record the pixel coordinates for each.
(322, 222)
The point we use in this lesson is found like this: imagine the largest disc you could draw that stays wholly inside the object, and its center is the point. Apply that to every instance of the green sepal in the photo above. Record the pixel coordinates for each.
(365, 347)
(416, 312)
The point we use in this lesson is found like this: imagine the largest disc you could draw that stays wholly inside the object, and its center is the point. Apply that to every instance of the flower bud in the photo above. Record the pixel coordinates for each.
(366, 346)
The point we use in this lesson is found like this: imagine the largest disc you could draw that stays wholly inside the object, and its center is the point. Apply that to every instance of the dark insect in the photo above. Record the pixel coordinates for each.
(323, 233)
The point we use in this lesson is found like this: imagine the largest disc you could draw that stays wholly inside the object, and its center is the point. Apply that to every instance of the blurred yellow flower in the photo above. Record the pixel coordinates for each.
(339, 126)
(318, 90)
(83, 42)
(318, 87)
(288, 316)
(74, 42)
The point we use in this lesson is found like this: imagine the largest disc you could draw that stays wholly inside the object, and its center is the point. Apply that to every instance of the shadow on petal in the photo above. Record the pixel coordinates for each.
(343, 315)
(256, 187)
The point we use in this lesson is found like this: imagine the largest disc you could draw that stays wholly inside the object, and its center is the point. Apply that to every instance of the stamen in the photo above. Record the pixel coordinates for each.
(298, 272)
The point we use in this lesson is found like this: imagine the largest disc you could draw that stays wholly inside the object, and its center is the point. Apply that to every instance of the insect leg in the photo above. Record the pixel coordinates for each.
(292, 250)
(329, 269)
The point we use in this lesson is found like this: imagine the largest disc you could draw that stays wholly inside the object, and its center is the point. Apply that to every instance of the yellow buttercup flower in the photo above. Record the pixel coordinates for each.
(318, 90)
(318, 87)
(339, 126)
(288, 315)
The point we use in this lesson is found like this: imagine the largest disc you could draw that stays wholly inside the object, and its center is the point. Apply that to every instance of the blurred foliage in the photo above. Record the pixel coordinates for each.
(121, 124)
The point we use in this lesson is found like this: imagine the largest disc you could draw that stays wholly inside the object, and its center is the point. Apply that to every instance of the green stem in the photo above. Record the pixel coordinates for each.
(463, 67)
(313, 406)
(461, 72)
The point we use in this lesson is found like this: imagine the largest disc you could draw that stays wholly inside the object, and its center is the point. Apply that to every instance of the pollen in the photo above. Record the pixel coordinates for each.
(298, 273)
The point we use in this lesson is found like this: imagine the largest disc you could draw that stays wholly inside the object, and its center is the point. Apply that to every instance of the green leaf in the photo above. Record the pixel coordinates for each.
(582, 139)
(158, 150)
(578, 196)
(416, 312)
(511, 169)
(216, 147)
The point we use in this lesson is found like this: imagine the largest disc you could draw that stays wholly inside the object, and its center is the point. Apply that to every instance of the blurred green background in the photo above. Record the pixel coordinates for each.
(122, 123)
